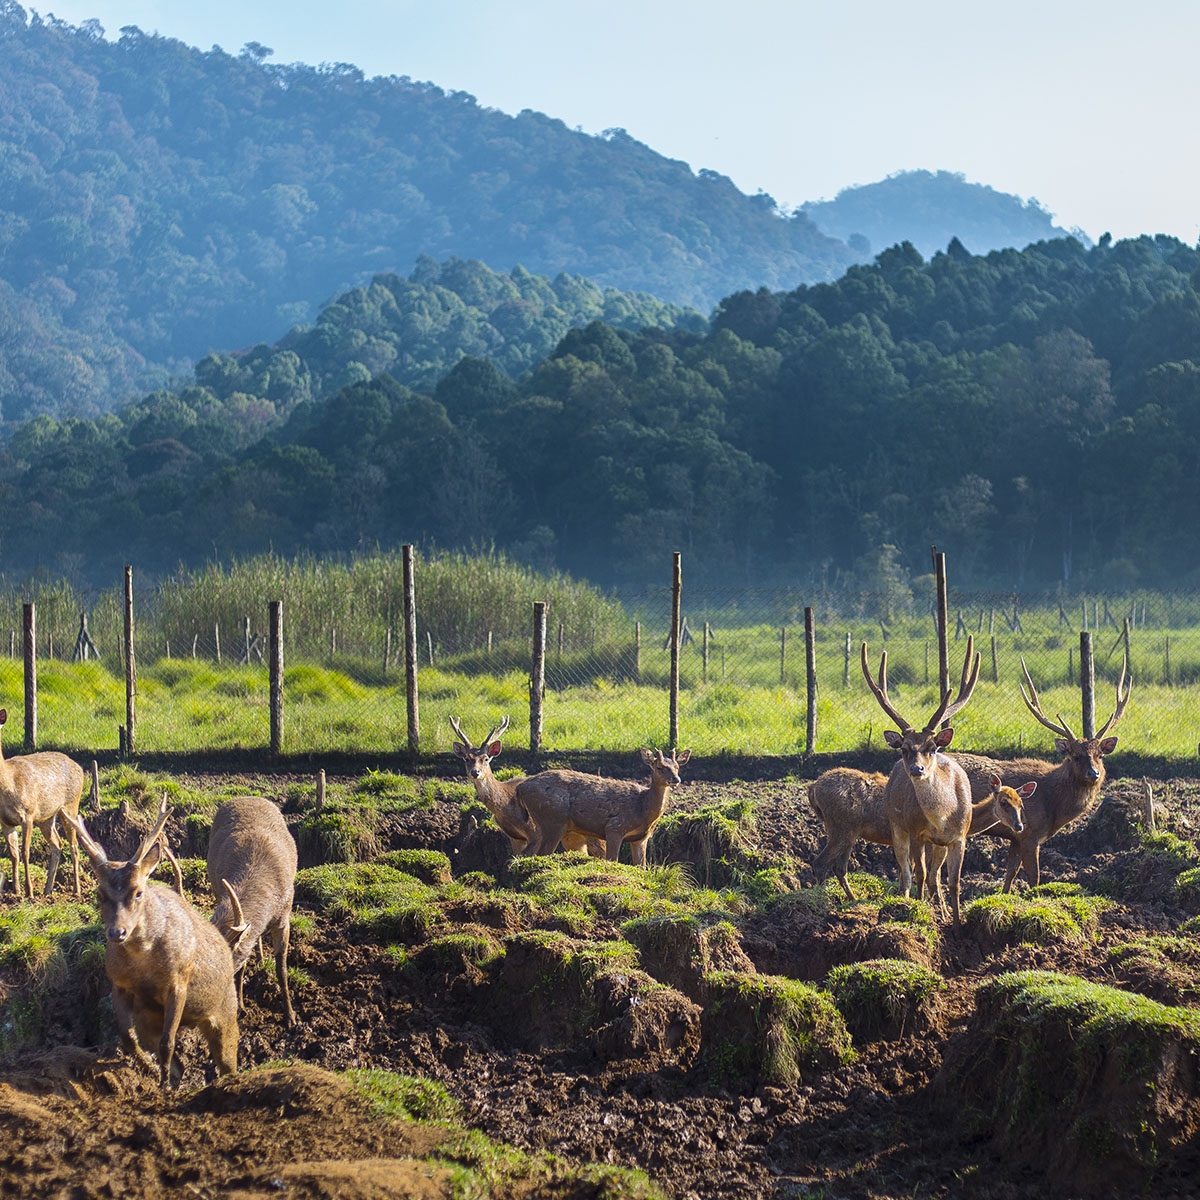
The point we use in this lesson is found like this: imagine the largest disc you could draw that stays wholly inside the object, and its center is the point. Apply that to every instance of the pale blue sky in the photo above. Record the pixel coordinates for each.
(1090, 106)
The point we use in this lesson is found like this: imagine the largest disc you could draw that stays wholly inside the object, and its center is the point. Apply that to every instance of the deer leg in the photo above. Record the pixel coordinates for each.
(10, 838)
(612, 844)
(1013, 864)
(222, 1037)
(26, 842)
(172, 1014)
(637, 853)
(955, 854)
(50, 833)
(901, 846)
(124, 1010)
(931, 864)
(73, 839)
(1031, 860)
(280, 937)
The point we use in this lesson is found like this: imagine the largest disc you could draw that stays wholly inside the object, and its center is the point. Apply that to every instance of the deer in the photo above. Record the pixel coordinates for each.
(927, 796)
(851, 807)
(500, 795)
(252, 870)
(169, 967)
(562, 802)
(34, 789)
(1066, 790)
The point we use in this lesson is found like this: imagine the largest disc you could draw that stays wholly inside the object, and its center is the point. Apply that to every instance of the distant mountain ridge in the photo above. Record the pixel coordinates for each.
(928, 209)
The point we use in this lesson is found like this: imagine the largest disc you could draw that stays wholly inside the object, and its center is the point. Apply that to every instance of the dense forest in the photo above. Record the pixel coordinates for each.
(158, 202)
(928, 208)
(1035, 413)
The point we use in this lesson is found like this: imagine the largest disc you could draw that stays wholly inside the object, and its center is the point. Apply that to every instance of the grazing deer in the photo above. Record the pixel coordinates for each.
(851, 806)
(252, 870)
(928, 795)
(1066, 790)
(168, 966)
(562, 803)
(500, 795)
(34, 789)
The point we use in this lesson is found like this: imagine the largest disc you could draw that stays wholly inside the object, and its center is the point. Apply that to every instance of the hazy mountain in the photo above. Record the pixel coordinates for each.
(928, 209)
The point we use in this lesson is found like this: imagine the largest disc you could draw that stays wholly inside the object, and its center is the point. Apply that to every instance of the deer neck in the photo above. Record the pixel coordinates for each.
(936, 794)
(1069, 797)
(654, 799)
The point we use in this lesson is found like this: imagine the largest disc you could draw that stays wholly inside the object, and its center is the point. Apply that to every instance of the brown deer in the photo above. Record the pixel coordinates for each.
(928, 795)
(500, 795)
(252, 870)
(851, 807)
(168, 966)
(34, 789)
(561, 803)
(1066, 790)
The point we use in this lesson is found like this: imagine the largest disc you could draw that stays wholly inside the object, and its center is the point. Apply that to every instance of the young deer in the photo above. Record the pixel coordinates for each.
(252, 870)
(928, 795)
(565, 803)
(168, 966)
(34, 789)
(1066, 790)
(851, 806)
(500, 796)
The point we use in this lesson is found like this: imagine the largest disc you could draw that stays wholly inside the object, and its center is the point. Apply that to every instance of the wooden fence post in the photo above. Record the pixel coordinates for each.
(130, 668)
(320, 803)
(387, 650)
(846, 663)
(94, 797)
(995, 666)
(707, 639)
(676, 597)
(29, 645)
(276, 669)
(1087, 684)
(810, 676)
(1167, 661)
(537, 677)
(782, 655)
(217, 642)
(939, 564)
(637, 652)
(410, 650)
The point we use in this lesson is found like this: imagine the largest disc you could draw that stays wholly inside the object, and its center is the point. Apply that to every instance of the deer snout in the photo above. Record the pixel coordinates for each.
(916, 770)
(117, 933)
(1093, 773)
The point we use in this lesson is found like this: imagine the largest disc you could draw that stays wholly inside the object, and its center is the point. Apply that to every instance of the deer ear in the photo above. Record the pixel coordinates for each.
(683, 756)
(1062, 745)
(3, 715)
(1108, 745)
(944, 737)
(994, 780)
(1027, 789)
(461, 750)
(648, 756)
(494, 749)
(893, 738)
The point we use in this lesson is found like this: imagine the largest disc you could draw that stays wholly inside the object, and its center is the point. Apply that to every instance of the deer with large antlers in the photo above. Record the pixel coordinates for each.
(501, 797)
(928, 795)
(1066, 790)
(168, 966)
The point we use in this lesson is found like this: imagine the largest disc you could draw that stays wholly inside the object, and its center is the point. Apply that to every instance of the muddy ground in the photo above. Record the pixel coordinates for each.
(81, 1122)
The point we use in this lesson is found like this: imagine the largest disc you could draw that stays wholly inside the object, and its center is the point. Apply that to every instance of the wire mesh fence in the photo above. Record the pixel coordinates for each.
(201, 679)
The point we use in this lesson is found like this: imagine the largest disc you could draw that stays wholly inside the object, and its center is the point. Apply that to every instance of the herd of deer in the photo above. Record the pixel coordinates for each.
(932, 802)
(170, 968)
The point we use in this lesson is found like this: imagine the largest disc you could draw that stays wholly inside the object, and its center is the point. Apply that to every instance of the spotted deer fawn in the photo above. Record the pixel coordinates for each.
(1066, 790)
(168, 966)
(561, 803)
(252, 870)
(928, 796)
(501, 796)
(851, 807)
(34, 789)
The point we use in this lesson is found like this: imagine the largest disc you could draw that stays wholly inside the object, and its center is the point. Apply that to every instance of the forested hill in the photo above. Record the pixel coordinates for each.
(928, 209)
(158, 202)
(1035, 413)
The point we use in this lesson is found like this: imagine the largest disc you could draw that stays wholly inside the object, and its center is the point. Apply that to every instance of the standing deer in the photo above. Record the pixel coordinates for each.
(34, 789)
(168, 966)
(564, 803)
(928, 795)
(500, 795)
(851, 806)
(252, 870)
(1066, 790)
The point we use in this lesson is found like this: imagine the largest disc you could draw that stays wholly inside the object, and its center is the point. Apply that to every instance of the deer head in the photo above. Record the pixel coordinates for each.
(1085, 755)
(664, 769)
(1008, 804)
(122, 885)
(477, 758)
(919, 747)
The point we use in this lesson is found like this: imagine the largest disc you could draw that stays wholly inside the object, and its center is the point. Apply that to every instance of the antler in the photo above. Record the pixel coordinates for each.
(966, 686)
(239, 925)
(487, 741)
(462, 737)
(1122, 699)
(879, 690)
(148, 841)
(1034, 705)
(91, 847)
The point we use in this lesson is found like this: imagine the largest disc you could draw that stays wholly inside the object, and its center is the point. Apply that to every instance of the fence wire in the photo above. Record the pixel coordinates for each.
(202, 681)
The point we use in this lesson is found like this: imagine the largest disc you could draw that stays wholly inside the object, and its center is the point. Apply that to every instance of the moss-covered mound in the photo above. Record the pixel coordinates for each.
(556, 992)
(1096, 1085)
(767, 1030)
(1053, 912)
(1165, 968)
(377, 902)
(429, 866)
(906, 930)
(886, 999)
(716, 840)
(681, 951)
(1152, 871)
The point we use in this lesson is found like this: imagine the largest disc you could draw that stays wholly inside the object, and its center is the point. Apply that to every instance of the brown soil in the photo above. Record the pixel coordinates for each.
(83, 1123)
